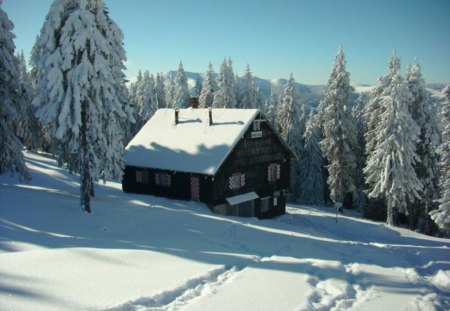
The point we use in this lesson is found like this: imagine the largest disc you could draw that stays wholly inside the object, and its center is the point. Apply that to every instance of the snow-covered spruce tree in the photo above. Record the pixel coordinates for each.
(11, 157)
(312, 188)
(425, 116)
(198, 86)
(339, 133)
(360, 125)
(389, 168)
(250, 95)
(160, 91)
(226, 94)
(146, 100)
(271, 106)
(291, 130)
(441, 216)
(170, 91)
(209, 86)
(77, 91)
(181, 91)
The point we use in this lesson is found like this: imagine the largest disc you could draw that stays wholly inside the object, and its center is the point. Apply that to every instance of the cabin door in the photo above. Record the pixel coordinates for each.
(195, 188)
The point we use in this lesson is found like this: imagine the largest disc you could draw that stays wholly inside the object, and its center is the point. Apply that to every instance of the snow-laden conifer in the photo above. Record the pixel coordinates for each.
(160, 91)
(11, 100)
(424, 114)
(181, 91)
(209, 86)
(291, 130)
(79, 89)
(197, 87)
(226, 95)
(146, 100)
(250, 95)
(389, 168)
(441, 216)
(312, 188)
(339, 132)
(170, 91)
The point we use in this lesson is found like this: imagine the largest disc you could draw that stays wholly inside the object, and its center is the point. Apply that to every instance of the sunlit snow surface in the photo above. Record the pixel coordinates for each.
(140, 252)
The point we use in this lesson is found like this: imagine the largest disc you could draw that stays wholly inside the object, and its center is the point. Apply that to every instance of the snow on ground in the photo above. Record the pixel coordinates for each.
(139, 252)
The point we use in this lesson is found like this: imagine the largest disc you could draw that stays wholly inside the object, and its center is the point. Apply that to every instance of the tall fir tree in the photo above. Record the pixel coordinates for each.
(160, 91)
(209, 86)
(250, 95)
(198, 86)
(226, 95)
(146, 100)
(441, 216)
(11, 101)
(170, 91)
(339, 133)
(181, 91)
(79, 89)
(312, 188)
(425, 116)
(291, 130)
(389, 168)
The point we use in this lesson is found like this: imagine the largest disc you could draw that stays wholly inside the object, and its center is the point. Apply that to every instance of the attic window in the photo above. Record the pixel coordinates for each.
(236, 181)
(163, 179)
(257, 125)
(142, 177)
(273, 172)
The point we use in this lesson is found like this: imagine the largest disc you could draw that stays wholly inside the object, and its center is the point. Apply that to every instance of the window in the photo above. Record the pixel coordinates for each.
(257, 125)
(273, 172)
(142, 177)
(236, 181)
(163, 179)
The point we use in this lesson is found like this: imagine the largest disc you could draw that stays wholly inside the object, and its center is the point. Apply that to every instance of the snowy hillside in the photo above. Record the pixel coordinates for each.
(140, 252)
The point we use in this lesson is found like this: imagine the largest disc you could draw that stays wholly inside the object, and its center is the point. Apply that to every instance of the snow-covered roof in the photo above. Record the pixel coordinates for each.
(192, 145)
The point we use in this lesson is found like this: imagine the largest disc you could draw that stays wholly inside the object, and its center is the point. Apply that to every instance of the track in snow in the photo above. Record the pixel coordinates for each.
(181, 296)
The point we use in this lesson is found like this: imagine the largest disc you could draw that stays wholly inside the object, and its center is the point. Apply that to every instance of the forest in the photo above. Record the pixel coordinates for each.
(386, 154)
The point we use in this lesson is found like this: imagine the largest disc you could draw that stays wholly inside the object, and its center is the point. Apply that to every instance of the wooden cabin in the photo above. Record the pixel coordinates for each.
(231, 159)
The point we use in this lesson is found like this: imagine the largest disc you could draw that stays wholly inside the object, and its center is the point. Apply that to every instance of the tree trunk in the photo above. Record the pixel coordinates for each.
(86, 182)
(390, 219)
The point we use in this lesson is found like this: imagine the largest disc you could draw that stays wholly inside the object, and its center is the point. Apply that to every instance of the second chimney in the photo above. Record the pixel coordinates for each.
(210, 120)
(176, 116)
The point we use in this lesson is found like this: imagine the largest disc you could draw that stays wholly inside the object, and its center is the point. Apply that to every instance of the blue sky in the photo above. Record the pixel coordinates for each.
(275, 37)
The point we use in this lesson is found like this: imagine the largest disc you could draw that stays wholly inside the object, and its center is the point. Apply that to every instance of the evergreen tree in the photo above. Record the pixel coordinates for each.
(79, 89)
(250, 95)
(339, 133)
(198, 86)
(441, 216)
(272, 103)
(389, 168)
(424, 115)
(209, 86)
(181, 91)
(160, 91)
(146, 101)
(11, 100)
(226, 95)
(312, 189)
(290, 128)
(170, 92)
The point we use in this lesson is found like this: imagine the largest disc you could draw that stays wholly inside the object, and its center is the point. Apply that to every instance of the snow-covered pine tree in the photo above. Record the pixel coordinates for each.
(425, 116)
(226, 95)
(291, 130)
(389, 168)
(209, 86)
(360, 125)
(170, 91)
(181, 91)
(441, 216)
(339, 133)
(271, 106)
(11, 157)
(146, 101)
(198, 86)
(77, 91)
(250, 95)
(160, 91)
(312, 188)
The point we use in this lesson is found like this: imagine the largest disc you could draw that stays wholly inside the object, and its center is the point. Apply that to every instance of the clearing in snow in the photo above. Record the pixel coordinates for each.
(139, 252)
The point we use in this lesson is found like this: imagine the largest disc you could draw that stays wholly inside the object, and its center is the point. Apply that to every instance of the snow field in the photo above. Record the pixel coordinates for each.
(146, 253)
